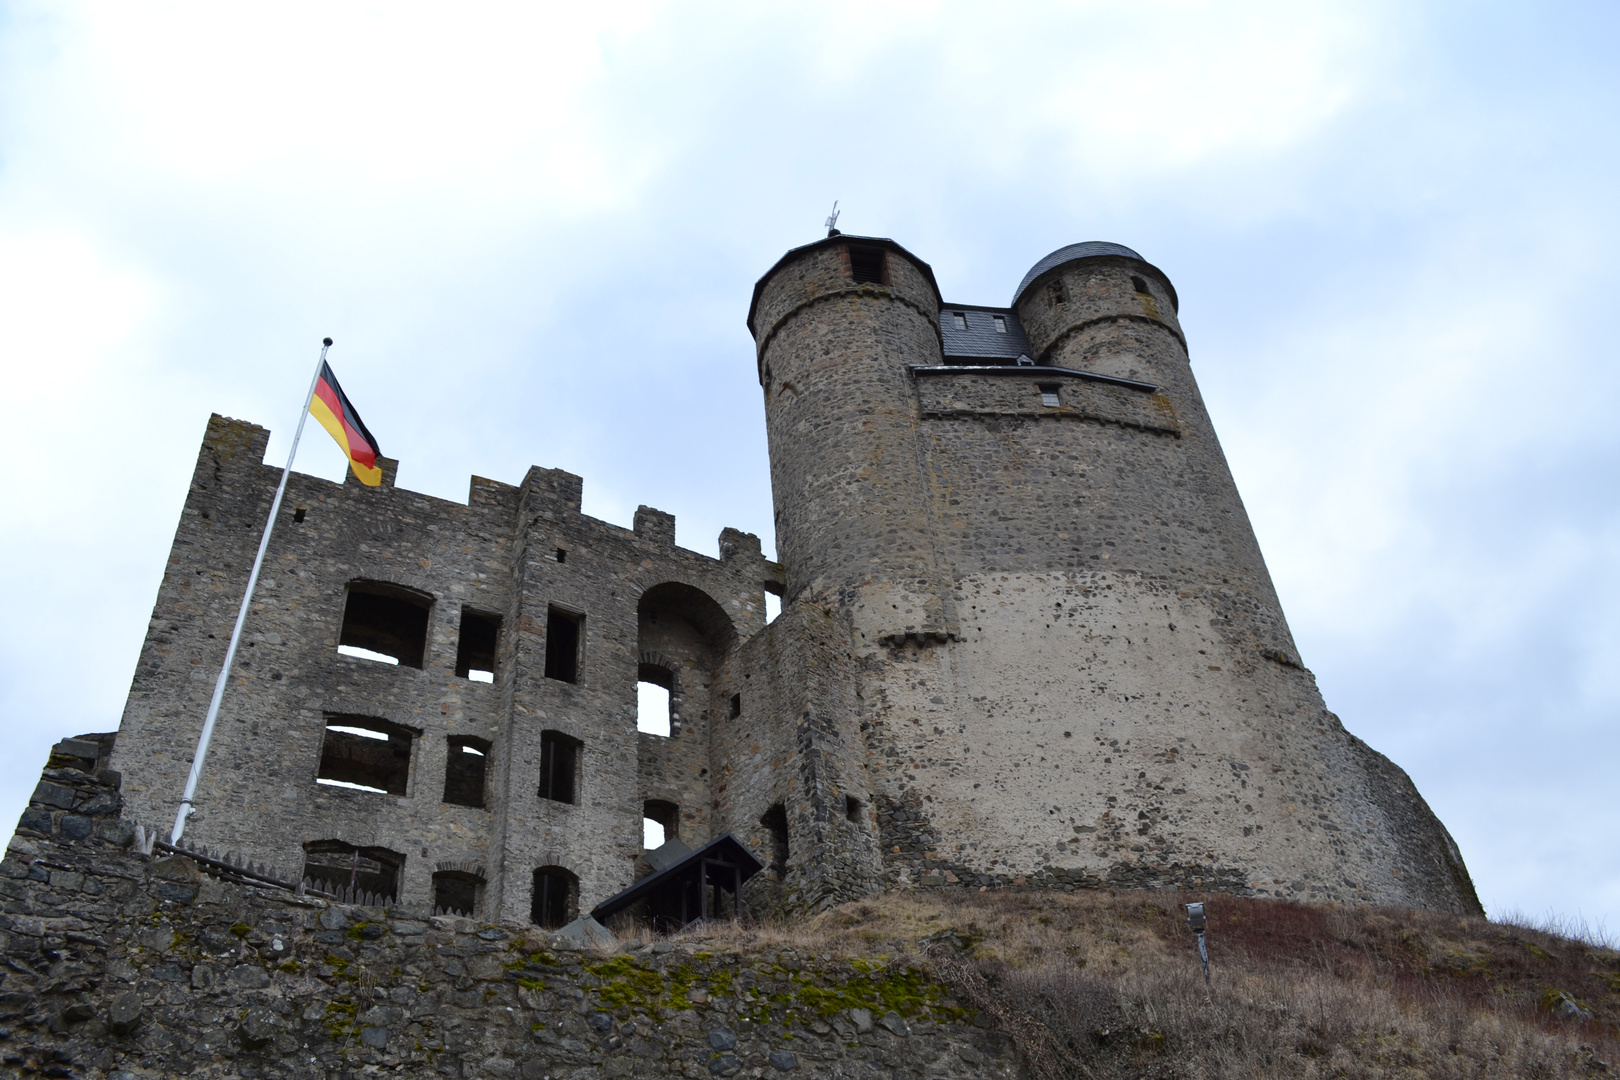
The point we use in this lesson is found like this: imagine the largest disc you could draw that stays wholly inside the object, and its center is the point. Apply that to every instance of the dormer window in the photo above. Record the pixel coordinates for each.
(1001, 323)
(960, 318)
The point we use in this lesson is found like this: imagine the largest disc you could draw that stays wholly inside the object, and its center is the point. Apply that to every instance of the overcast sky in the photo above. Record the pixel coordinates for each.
(533, 233)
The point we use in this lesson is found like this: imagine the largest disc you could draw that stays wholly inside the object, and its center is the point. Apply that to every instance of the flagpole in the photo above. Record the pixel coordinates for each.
(186, 808)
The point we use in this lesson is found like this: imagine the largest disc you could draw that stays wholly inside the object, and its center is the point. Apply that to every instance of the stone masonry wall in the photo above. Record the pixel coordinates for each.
(120, 966)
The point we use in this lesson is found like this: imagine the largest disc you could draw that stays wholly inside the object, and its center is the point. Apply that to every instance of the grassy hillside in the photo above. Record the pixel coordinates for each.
(1108, 984)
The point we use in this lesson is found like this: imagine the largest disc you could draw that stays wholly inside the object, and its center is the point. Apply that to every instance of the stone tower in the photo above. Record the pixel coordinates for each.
(1071, 666)
(1027, 639)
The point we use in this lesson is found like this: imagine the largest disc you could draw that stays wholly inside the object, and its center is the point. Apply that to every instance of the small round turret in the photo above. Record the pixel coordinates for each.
(1101, 307)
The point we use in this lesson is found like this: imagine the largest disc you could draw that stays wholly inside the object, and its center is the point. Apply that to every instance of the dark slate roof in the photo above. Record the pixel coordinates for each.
(1074, 252)
(981, 340)
(724, 847)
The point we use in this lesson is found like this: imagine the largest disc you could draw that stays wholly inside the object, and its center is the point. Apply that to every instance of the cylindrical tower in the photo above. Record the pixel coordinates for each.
(837, 324)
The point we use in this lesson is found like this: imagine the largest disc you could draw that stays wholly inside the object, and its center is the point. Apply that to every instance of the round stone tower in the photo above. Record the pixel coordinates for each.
(839, 323)
(1070, 665)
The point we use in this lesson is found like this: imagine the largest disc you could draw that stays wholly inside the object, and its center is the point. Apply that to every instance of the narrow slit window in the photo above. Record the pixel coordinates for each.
(1140, 286)
(386, 623)
(776, 831)
(866, 265)
(1049, 395)
(455, 893)
(365, 754)
(562, 645)
(562, 555)
(1059, 294)
(960, 318)
(555, 900)
(1000, 322)
(736, 706)
(465, 767)
(475, 652)
(559, 767)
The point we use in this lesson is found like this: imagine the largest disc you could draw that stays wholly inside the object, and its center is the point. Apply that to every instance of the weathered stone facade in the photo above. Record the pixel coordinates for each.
(1027, 637)
(125, 967)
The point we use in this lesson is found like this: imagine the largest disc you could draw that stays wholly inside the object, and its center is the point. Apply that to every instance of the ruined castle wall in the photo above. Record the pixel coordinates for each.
(497, 554)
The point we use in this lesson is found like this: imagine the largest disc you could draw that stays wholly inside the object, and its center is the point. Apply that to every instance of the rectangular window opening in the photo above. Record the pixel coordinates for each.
(1001, 323)
(736, 706)
(384, 622)
(298, 515)
(559, 767)
(464, 770)
(475, 650)
(866, 265)
(562, 555)
(555, 900)
(660, 822)
(562, 645)
(960, 318)
(365, 754)
(1049, 394)
(652, 709)
(853, 808)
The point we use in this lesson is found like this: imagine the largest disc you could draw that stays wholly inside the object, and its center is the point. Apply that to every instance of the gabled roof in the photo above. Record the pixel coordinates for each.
(724, 847)
(981, 340)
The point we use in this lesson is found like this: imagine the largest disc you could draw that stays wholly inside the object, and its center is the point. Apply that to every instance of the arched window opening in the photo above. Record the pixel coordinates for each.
(384, 622)
(352, 874)
(555, 902)
(464, 770)
(660, 822)
(456, 892)
(776, 829)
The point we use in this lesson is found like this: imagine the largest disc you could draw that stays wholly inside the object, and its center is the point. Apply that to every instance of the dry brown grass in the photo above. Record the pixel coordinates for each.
(1107, 984)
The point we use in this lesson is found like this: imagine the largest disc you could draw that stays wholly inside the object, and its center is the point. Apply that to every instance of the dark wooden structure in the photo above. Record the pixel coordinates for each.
(687, 885)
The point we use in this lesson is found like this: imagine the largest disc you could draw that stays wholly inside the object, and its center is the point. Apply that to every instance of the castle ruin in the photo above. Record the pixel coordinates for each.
(1027, 639)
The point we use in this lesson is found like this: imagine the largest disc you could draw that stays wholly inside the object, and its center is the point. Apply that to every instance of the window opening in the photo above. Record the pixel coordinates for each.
(776, 826)
(298, 515)
(660, 822)
(336, 868)
(866, 265)
(960, 318)
(1001, 323)
(365, 754)
(464, 769)
(562, 645)
(852, 809)
(773, 607)
(1059, 294)
(475, 650)
(556, 898)
(562, 555)
(736, 706)
(1049, 394)
(385, 622)
(559, 767)
(455, 893)
(1140, 286)
(652, 709)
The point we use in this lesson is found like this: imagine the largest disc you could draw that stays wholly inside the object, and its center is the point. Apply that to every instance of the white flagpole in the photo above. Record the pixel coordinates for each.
(207, 735)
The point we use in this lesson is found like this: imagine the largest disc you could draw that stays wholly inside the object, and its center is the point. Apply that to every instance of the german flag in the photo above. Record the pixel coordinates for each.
(331, 407)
